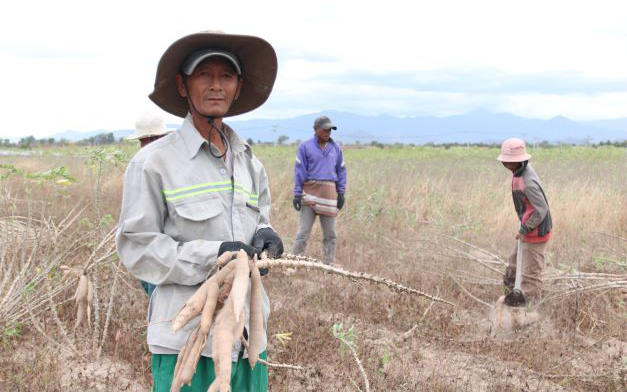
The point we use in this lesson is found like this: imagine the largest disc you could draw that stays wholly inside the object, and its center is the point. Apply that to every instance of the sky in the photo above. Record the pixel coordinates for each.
(84, 66)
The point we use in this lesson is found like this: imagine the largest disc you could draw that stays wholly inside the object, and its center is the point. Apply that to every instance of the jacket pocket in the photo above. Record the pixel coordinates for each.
(200, 210)
(200, 219)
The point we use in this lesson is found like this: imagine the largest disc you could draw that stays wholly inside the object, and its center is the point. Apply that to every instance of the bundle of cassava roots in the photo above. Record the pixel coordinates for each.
(220, 304)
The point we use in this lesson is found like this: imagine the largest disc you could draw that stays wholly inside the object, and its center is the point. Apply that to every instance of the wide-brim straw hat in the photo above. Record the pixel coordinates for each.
(148, 125)
(513, 150)
(256, 56)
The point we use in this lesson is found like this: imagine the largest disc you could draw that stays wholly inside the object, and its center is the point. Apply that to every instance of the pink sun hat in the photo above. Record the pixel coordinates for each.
(513, 150)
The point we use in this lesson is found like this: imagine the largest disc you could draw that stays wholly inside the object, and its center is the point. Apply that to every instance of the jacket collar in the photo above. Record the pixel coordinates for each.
(315, 140)
(194, 142)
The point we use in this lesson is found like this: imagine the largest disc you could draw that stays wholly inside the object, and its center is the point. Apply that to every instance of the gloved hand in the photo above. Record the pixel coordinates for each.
(340, 201)
(296, 202)
(235, 246)
(267, 238)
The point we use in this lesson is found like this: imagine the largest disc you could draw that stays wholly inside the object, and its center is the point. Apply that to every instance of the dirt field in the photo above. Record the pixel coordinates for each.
(438, 220)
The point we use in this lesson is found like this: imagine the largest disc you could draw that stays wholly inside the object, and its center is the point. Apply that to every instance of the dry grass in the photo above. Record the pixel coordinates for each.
(403, 207)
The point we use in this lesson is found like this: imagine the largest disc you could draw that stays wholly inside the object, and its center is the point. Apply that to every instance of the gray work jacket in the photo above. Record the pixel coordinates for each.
(179, 205)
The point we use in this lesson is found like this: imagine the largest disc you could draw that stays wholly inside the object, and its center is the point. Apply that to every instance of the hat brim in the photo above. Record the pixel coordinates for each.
(137, 137)
(508, 158)
(256, 56)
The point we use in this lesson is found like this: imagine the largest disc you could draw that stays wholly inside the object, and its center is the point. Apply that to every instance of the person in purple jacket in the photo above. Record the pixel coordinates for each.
(319, 187)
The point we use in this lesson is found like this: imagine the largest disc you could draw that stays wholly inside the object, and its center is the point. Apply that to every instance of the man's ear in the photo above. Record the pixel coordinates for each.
(239, 88)
(180, 85)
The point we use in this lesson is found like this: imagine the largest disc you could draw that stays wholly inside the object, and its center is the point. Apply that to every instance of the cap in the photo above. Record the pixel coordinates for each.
(325, 123)
(192, 61)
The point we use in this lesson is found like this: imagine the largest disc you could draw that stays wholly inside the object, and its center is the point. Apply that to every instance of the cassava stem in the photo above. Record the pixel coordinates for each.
(296, 263)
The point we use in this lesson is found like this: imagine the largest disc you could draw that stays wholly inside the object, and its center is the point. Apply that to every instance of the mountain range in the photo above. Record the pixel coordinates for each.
(479, 126)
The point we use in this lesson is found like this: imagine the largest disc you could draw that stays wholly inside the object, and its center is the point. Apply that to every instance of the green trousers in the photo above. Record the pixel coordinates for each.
(243, 379)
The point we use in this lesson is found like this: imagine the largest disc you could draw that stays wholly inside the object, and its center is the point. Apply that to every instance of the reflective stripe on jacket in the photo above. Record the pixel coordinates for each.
(531, 206)
(179, 204)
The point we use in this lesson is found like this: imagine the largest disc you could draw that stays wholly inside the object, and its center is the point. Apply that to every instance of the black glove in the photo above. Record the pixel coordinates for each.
(296, 202)
(235, 246)
(340, 201)
(267, 238)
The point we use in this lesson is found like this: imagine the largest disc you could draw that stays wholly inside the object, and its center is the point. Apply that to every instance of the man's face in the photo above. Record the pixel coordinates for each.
(512, 166)
(212, 87)
(323, 134)
(149, 139)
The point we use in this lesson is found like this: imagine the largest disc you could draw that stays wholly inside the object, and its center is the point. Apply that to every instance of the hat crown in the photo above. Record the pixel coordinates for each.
(324, 122)
(148, 120)
(149, 124)
(513, 150)
(513, 146)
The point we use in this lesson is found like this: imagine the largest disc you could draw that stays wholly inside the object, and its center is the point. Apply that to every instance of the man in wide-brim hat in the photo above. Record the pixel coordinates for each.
(198, 192)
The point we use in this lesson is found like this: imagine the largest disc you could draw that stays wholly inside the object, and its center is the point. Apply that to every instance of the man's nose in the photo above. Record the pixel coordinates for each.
(215, 83)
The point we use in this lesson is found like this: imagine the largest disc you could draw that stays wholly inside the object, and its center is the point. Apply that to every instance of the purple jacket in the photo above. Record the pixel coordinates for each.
(314, 163)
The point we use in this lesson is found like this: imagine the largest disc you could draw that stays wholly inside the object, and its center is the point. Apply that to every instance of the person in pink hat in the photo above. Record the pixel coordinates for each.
(532, 208)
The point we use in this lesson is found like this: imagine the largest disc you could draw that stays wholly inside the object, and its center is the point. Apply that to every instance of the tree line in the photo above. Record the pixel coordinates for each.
(29, 142)
(108, 138)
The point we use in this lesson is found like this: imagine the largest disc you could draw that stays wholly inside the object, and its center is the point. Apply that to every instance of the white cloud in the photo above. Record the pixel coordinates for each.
(83, 65)
(574, 106)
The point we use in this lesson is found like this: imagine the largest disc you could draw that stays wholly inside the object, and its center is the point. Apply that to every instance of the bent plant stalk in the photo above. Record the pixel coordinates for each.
(290, 261)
